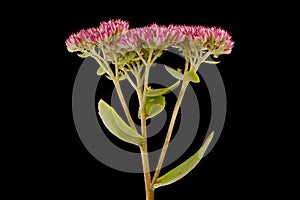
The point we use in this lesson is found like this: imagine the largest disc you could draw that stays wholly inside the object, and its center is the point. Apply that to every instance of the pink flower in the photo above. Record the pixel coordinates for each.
(217, 40)
(79, 41)
(130, 40)
(114, 38)
(85, 40)
(111, 28)
(151, 37)
(220, 40)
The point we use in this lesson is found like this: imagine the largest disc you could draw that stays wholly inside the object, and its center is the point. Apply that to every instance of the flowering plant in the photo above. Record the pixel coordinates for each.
(125, 53)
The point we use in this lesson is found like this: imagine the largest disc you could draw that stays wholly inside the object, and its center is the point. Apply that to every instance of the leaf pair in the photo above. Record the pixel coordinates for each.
(188, 75)
(155, 101)
(128, 57)
(154, 106)
(121, 74)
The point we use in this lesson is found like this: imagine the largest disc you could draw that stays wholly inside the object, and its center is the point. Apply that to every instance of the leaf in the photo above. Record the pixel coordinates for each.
(154, 105)
(122, 75)
(184, 168)
(158, 53)
(162, 91)
(128, 58)
(174, 73)
(108, 77)
(192, 76)
(117, 126)
(100, 71)
(155, 110)
(84, 55)
(211, 62)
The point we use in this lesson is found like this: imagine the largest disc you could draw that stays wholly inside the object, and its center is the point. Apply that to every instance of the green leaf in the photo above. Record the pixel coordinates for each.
(117, 126)
(158, 53)
(155, 110)
(84, 55)
(192, 76)
(100, 71)
(211, 62)
(174, 73)
(162, 91)
(108, 77)
(122, 75)
(154, 105)
(184, 168)
(128, 57)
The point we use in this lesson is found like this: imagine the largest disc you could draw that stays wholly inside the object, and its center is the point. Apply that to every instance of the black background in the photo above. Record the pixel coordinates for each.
(60, 165)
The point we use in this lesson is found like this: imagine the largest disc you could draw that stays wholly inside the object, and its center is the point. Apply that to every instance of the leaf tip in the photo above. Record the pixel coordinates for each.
(209, 137)
(101, 103)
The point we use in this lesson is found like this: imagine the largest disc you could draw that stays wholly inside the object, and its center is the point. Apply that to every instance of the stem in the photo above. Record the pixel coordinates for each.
(102, 64)
(170, 130)
(130, 81)
(144, 147)
(146, 169)
(123, 102)
(201, 59)
(174, 115)
(99, 59)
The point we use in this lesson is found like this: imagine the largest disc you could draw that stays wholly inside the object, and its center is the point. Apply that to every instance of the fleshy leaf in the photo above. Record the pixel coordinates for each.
(122, 76)
(154, 110)
(154, 105)
(184, 168)
(192, 76)
(128, 57)
(158, 53)
(174, 73)
(211, 62)
(84, 55)
(100, 71)
(162, 91)
(117, 126)
(108, 77)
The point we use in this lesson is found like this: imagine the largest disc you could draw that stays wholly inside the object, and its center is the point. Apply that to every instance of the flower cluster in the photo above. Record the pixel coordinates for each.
(86, 40)
(150, 37)
(116, 38)
(200, 38)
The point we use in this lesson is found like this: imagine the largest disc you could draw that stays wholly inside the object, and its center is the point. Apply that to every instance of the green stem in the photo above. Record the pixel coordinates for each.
(201, 59)
(123, 102)
(146, 169)
(170, 130)
(144, 147)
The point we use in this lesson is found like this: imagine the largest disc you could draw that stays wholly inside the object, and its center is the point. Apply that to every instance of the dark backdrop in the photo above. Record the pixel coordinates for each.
(61, 167)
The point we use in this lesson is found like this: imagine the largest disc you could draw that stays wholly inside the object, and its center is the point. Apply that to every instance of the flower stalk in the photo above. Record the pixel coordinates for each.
(170, 130)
